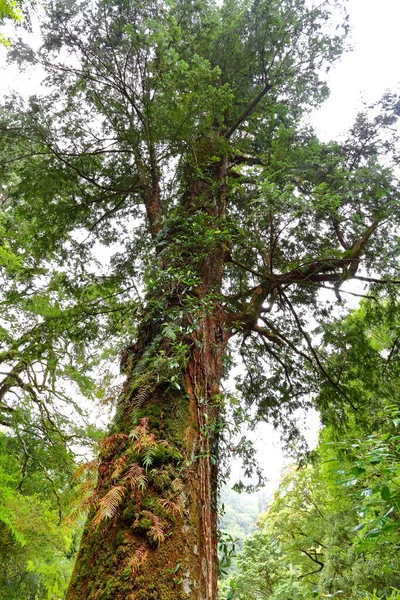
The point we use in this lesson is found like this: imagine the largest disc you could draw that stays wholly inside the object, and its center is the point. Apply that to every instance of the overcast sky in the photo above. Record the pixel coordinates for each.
(371, 68)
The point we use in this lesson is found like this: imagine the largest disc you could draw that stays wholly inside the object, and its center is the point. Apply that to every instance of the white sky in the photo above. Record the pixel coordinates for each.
(365, 73)
(371, 68)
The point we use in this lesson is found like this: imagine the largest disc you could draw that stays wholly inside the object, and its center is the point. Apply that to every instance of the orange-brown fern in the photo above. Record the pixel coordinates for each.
(108, 505)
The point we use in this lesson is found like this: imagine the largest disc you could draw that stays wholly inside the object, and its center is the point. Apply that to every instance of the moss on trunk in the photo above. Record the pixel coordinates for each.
(151, 533)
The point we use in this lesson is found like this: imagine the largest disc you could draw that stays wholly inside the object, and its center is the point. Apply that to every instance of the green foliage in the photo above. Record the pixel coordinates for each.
(36, 551)
(106, 160)
(8, 10)
(333, 527)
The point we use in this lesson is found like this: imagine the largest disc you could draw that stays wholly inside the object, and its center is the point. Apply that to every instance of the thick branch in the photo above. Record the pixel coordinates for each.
(267, 334)
(315, 560)
(248, 110)
(10, 380)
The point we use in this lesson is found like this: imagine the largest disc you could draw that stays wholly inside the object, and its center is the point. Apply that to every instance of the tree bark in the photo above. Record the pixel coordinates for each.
(152, 529)
(161, 542)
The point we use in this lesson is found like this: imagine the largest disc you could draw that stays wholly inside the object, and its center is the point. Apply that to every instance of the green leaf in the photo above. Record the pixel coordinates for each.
(385, 493)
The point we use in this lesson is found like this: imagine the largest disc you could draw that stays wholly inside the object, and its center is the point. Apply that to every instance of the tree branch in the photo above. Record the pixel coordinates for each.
(248, 110)
(315, 560)
(313, 351)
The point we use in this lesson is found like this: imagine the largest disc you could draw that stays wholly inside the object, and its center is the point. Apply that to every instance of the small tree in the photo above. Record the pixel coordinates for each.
(172, 132)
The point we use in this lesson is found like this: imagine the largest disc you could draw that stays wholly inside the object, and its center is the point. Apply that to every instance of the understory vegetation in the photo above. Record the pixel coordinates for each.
(332, 528)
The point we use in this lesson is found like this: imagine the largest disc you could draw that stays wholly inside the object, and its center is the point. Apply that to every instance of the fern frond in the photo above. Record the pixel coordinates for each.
(148, 456)
(157, 529)
(136, 477)
(108, 505)
(165, 443)
(86, 469)
(142, 436)
(171, 507)
(111, 440)
(86, 499)
(119, 465)
(143, 395)
(138, 559)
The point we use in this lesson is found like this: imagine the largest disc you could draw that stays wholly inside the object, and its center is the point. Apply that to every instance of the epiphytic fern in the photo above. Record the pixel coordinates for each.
(108, 505)
(112, 441)
(142, 435)
(143, 395)
(174, 508)
(145, 442)
(84, 495)
(119, 466)
(157, 529)
(136, 477)
(138, 559)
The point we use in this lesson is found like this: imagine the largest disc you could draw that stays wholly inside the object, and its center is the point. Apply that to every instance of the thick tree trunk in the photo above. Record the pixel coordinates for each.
(160, 542)
(152, 530)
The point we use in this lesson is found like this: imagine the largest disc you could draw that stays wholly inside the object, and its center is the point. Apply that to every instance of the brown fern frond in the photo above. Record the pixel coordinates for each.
(145, 423)
(142, 436)
(174, 508)
(85, 492)
(108, 505)
(157, 529)
(98, 594)
(119, 465)
(165, 443)
(112, 440)
(136, 477)
(82, 506)
(138, 559)
(86, 469)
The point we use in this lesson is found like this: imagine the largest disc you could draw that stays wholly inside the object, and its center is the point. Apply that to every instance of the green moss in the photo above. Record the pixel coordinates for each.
(176, 423)
(150, 504)
(127, 573)
(161, 481)
(143, 523)
(112, 586)
(129, 513)
(160, 591)
(154, 410)
(119, 537)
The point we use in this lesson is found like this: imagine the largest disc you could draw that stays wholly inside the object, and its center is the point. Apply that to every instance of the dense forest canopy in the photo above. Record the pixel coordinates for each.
(171, 136)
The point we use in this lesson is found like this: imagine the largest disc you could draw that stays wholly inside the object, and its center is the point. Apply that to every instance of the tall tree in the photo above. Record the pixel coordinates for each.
(171, 132)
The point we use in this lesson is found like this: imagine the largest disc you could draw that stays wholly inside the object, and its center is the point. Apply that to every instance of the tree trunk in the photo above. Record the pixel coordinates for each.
(152, 530)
